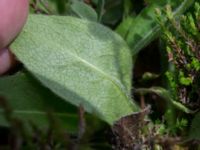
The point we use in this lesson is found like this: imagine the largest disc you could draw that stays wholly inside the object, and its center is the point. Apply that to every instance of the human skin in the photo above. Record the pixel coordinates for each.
(13, 17)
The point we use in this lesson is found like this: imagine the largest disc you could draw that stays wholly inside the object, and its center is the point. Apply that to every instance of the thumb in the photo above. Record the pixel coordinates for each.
(13, 17)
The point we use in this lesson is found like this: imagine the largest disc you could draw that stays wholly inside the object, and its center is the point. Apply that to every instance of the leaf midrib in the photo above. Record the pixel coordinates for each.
(28, 112)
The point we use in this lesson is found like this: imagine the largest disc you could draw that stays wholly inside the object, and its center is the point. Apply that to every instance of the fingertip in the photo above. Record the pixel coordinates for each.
(6, 60)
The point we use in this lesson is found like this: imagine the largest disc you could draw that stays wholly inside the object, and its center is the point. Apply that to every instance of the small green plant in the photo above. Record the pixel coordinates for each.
(81, 54)
(181, 37)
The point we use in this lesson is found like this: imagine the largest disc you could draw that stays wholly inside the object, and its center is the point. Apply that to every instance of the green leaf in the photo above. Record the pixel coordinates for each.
(113, 12)
(194, 133)
(140, 31)
(83, 62)
(149, 76)
(166, 96)
(61, 6)
(84, 11)
(100, 9)
(30, 102)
